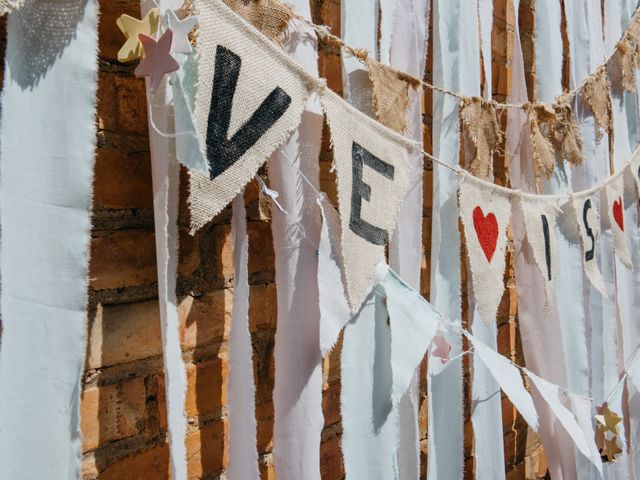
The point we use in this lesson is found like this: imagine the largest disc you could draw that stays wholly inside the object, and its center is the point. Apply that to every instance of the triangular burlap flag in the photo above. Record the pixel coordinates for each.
(614, 191)
(585, 208)
(542, 116)
(250, 98)
(596, 92)
(271, 17)
(485, 214)
(390, 94)
(565, 134)
(628, 61)
(372, 169)
(481, 126)
(540, 218)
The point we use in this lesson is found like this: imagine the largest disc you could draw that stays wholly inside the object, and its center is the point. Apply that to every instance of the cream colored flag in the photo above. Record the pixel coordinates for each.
(540, 217)
(372, 167)
(7, 5)
(485, 214)
(588, 221)
(250, 98)
(614, 193)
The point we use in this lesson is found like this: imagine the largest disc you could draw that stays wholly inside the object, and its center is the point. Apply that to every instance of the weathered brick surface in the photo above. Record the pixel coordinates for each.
(123, 406)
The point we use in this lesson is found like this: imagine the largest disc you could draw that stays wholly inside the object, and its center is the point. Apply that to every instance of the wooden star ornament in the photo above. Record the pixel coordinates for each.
(607, 418)
(157, 61)
(610, 449)
(181, 30)
(131, 28)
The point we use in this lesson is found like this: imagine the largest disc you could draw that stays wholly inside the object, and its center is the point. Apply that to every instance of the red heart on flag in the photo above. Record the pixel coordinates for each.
(486, 230)
(617, 213)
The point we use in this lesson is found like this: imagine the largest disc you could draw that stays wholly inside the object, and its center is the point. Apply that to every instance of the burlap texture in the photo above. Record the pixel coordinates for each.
(596, 92)
(263, 68)
(480, 124)
(566, 136)
(614, 192)
(585, 207)
(390, 94)
(7, 5)
(347, 126)
(542, 117)
(542, 236)
(271, 17)
(628, 62)
(485, 214)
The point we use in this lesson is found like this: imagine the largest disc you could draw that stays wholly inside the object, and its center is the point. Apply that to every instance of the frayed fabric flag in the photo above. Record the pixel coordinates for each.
(540, 218)
(634, 167)
(485, 215)
(552, 396)
(7, 5)
(372, 167)
(588, 220)
(334, 309)
(414, 323)
(509, 379)
(614, 192)
(249, 99)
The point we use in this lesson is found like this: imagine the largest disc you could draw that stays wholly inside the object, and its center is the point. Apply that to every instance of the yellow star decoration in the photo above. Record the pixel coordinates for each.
(607, 418)
(131, 28)
(610, 449)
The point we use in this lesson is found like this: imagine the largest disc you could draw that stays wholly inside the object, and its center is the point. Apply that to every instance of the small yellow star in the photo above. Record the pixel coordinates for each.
(610, 449)
(131, 28)
(607, 418)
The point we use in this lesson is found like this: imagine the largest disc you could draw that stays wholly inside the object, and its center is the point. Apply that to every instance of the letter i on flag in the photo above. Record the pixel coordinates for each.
(485, 214)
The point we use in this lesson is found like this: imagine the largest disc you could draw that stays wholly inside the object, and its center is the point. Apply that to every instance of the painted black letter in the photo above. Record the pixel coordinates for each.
(360, 190)
(223, 152)
(588, 254)
(547, 244)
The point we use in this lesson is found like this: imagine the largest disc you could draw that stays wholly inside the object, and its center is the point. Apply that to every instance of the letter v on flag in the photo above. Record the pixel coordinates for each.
(250, 98)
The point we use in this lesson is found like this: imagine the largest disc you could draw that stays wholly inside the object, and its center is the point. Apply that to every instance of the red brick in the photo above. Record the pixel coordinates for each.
(151, 464)
(121, 180)
(207, 450)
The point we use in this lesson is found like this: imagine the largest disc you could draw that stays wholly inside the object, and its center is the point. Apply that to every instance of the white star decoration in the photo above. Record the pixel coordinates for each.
(181, 30)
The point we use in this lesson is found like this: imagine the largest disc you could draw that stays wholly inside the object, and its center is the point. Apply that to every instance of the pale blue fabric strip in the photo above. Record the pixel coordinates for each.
(455, 66)
(48, 145)
(368, 417)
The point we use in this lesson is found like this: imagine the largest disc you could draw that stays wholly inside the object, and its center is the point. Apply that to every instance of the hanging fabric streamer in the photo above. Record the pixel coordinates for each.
(334, 309)
(535, 320)
(46, 173)
(403, 45)
(297, 396)
(455, 66)
(166, 189)
(624, 103)
(243, 455)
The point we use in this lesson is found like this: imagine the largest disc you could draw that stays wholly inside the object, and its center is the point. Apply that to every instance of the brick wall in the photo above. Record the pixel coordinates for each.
(123, 405)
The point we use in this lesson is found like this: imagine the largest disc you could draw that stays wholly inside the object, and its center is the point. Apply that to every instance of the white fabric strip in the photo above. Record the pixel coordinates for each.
(243, 454)
(455, 66)
(536, 321)
(334, 309)
(403, 45)
(297, 395)
(369, 421)
(587, 51)
(48, 143)
(166, 189)
(625, 124)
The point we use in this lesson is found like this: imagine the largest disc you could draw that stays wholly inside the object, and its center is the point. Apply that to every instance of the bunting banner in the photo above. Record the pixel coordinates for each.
(540, 218)
(372, 168)
(249, 99)
(485, 217)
